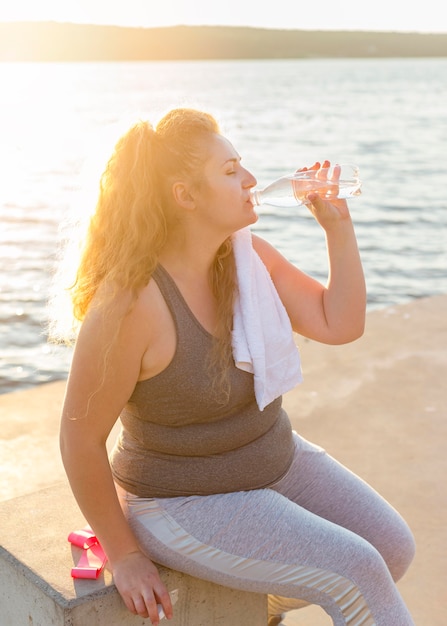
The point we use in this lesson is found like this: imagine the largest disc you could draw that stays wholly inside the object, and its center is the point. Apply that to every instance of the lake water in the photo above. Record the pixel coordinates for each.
(58, 123)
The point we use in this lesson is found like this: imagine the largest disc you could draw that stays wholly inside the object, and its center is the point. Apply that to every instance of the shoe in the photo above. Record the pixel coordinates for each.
(275, 620)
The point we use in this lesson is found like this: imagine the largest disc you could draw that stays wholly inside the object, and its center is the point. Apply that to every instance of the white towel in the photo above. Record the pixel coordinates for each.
(262, 338)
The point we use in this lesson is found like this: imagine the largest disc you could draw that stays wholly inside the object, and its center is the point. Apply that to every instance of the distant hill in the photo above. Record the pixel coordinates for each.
(54, 41)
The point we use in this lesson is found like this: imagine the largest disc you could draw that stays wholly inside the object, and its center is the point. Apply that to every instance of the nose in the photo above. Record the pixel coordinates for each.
(249, 180)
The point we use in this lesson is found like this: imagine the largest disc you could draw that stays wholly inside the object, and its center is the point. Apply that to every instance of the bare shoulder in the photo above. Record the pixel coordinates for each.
(146, 315)
(148, 304)
(120, 313)
(134, 329)
(270, 256)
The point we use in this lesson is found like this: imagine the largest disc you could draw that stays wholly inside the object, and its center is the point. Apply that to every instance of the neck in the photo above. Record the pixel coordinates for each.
(189, 256)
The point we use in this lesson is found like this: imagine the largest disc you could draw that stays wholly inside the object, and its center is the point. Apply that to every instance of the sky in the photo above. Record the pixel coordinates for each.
(378, 15)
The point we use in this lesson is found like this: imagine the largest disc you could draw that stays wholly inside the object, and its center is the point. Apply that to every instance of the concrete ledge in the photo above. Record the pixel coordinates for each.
(36, 587)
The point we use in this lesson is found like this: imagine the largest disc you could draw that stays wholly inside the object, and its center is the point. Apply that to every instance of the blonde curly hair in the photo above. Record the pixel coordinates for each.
(133, 217)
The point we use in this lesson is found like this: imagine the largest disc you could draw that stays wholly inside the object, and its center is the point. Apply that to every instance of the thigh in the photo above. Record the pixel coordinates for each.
(323, 486)
(264, 542)
(252, 526)
(260, 525)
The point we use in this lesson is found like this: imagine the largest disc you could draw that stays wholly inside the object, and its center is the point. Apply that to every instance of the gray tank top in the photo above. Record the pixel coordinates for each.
(177, 439)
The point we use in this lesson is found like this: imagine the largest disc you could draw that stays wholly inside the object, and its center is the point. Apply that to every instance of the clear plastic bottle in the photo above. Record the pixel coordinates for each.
(337, 181)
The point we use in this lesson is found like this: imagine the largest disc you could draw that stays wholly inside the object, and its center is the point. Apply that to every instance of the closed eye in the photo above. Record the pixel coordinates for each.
(234, 162)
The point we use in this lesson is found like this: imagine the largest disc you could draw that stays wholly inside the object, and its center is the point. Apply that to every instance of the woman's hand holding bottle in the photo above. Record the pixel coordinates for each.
(323, 200)
(336, 182)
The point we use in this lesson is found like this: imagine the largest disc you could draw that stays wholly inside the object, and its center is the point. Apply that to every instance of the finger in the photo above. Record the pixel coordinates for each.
(130, 605)
(143, 607)
(165, 601)
(134, 604)
(153, 613)
(146, 606)
(336, 171)
(157, 605)
(333, 182)
(314, 168)
(323, 171)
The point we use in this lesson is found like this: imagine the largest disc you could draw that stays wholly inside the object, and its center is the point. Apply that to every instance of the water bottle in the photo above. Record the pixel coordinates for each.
(336, 181)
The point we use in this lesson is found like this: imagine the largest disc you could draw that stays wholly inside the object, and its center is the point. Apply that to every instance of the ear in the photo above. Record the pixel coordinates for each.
(183, 195)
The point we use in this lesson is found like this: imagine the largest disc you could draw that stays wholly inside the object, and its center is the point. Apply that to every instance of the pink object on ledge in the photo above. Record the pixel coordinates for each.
(93, 557)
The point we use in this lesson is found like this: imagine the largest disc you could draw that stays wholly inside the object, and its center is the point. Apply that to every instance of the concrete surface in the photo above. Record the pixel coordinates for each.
(36, 587)
(379, 405)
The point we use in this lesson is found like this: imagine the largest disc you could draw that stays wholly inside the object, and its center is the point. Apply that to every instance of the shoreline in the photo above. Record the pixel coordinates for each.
(63, 41)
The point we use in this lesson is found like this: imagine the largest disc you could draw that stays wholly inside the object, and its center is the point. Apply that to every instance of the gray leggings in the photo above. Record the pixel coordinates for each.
(320, 535)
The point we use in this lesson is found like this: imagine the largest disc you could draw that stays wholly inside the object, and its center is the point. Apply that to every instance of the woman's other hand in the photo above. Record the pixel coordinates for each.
(139, 584)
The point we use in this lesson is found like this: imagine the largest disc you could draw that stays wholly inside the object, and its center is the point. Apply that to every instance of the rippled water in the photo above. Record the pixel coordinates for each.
(58, 121)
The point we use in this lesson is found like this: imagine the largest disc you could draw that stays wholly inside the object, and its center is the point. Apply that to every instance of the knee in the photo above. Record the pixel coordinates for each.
(395, 543)
(404, 548)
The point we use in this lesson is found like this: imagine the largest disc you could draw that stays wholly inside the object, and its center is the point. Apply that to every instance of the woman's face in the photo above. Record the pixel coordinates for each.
(223, 196)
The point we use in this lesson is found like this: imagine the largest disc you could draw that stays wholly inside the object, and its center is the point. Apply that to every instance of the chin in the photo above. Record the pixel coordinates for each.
(249, 219)
(254, 217)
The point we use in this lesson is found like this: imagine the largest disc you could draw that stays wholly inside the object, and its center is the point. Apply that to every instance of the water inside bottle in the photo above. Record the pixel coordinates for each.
(342, 189)
(292, 190)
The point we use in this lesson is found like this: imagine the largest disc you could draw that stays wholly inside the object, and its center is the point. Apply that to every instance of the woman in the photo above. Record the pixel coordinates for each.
(203, 478)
